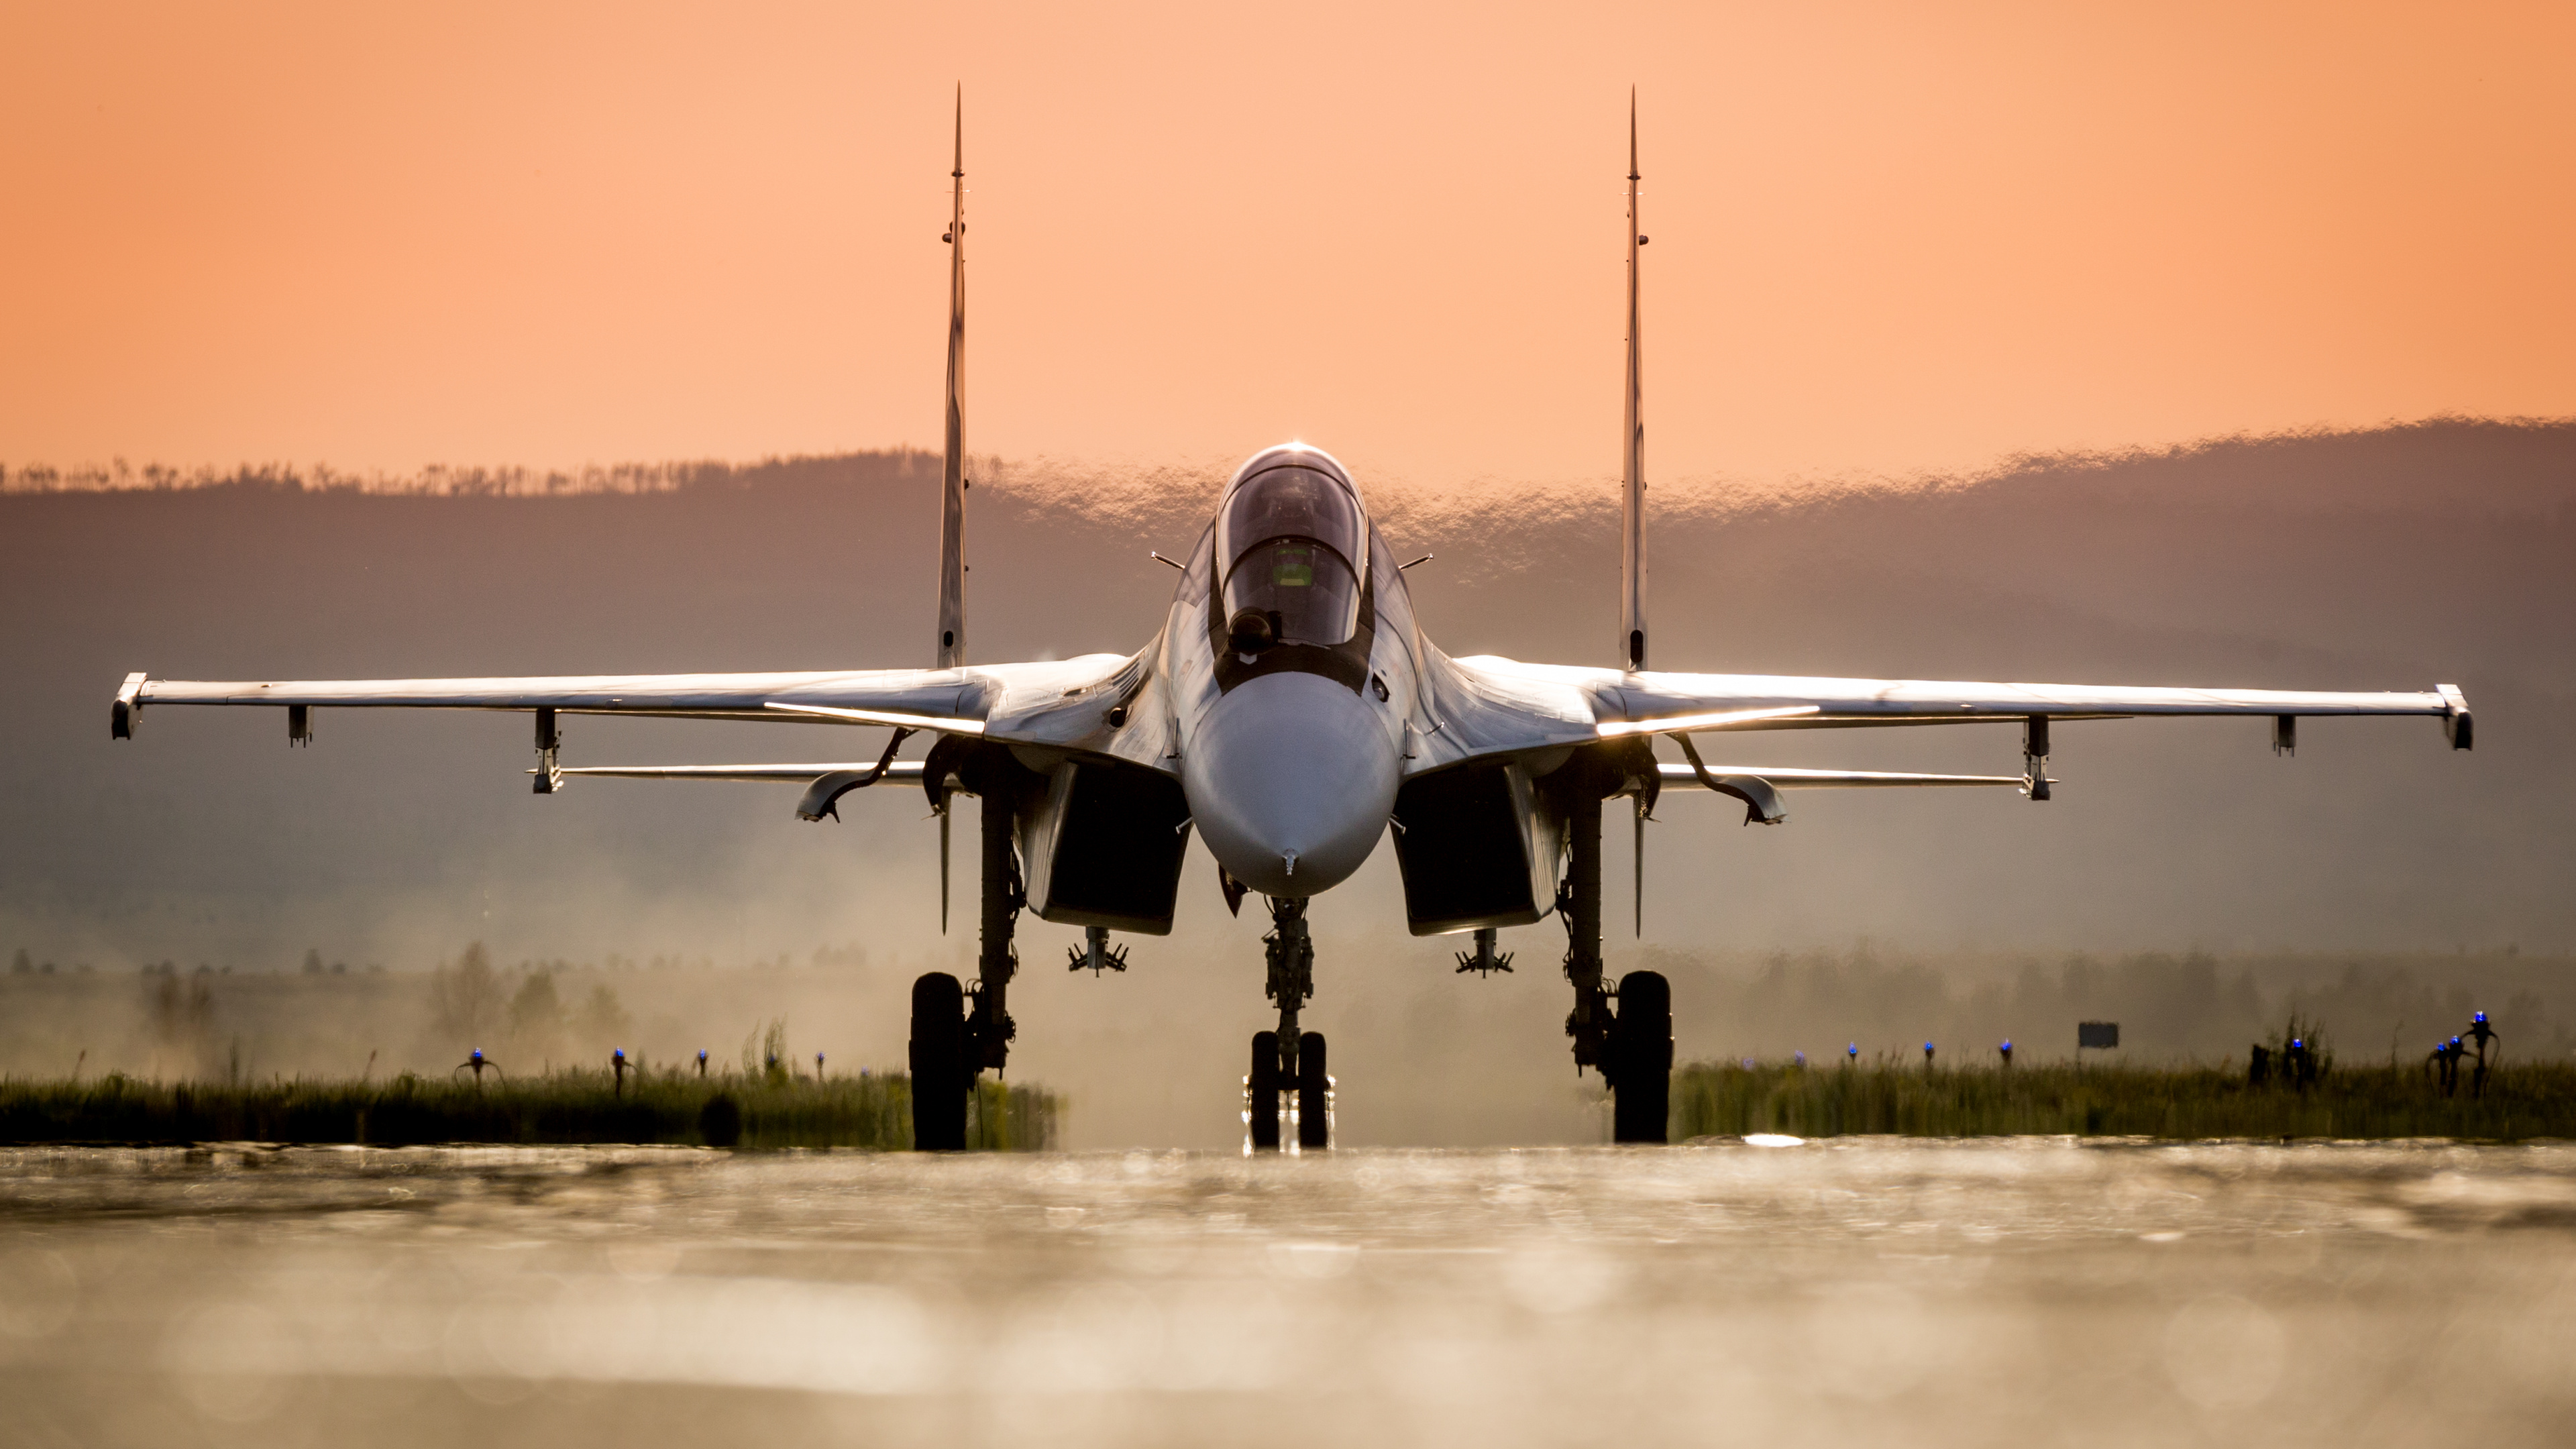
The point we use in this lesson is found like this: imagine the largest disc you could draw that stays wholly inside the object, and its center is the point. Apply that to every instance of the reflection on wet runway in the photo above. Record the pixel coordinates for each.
(1896, 1291)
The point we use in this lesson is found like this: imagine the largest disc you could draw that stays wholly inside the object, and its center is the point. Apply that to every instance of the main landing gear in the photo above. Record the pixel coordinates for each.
(1626, 1032)
(1289, 1062)
(958, 1031)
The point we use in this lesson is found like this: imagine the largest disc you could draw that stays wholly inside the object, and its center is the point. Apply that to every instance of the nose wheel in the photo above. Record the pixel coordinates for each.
(1314, 1096)
(1305, 1091)
(1261, 1093)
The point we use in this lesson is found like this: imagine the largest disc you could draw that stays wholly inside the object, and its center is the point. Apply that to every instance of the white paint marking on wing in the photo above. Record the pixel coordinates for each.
(948, 724)
(1613, 729)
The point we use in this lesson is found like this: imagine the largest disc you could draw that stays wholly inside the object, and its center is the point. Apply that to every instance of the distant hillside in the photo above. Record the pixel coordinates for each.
(2398, 558)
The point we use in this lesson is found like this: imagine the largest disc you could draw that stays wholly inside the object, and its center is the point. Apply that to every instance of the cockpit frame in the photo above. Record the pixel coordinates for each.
(1294, 515)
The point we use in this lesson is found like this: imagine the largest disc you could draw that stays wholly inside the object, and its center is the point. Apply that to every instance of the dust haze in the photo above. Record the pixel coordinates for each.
(209, 900)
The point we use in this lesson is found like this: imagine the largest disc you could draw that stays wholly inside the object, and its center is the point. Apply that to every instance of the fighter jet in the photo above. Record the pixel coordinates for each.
(1292, 713)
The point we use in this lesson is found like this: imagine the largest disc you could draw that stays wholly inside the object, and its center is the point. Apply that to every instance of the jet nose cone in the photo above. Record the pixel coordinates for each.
(1290, 778)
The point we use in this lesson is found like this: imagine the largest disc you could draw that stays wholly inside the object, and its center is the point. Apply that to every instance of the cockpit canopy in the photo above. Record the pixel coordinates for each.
(1293, 544)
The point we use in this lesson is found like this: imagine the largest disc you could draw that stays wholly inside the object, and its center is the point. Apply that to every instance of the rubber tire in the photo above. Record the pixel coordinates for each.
(720, 1122)
(1314, 1122)
(1641, 1055)
(940, 1077)
(1265, 1091)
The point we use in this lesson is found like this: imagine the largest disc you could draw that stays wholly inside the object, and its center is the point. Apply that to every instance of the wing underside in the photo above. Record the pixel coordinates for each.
(899, 772)
(824, 784)
(1786, 778)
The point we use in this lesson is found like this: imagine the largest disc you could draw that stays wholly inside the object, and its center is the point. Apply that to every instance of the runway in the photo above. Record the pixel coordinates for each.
(1861, 1290)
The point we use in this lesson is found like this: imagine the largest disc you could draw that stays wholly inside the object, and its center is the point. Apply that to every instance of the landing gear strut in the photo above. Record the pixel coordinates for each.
(1628, 1033)
(952, 1041)
(1289, 1059)
(1578, 905)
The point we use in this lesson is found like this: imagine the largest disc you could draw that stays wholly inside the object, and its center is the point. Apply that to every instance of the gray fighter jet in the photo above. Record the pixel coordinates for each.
(1293, 713)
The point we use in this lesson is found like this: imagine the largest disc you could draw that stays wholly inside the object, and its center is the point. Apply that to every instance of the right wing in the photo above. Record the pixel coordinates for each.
(1082, 702)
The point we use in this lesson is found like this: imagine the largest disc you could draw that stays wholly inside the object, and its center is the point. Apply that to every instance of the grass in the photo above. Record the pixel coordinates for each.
(1726, 1099)
(562, 1107)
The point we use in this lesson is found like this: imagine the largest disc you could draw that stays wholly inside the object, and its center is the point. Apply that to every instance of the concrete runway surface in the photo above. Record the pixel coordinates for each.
(1877, 1291)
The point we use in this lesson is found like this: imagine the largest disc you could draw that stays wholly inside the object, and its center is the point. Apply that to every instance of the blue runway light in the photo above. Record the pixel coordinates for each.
(2479, 1018)
(1853, 1050)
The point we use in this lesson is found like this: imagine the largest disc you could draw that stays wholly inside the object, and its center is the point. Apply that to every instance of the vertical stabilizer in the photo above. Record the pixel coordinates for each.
(1632, 463)
(952, 486)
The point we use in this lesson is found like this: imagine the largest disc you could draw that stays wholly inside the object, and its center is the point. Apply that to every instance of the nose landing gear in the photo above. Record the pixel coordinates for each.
(1289, 1061)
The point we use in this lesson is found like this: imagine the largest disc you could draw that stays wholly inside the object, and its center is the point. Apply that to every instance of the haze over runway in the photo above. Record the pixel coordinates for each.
(1864, 1290)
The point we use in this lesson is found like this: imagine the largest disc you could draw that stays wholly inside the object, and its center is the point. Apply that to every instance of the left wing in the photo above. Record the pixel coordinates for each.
(1487, 705)
(1082, 702)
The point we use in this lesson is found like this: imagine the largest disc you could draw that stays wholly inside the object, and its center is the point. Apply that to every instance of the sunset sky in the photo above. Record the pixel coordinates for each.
(1885, 238)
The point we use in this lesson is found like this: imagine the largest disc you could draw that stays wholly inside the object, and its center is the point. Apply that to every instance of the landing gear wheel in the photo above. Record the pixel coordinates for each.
(1640, 1058)
(940, 1074)
(1264, 1105)
(1314, 1119)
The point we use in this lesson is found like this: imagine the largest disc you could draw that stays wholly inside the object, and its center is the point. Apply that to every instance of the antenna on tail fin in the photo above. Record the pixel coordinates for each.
(952, 488)
(1632, 459)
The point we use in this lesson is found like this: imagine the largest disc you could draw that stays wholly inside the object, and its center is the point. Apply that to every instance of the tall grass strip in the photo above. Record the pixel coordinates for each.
(1906, 1099)
(562, 1107)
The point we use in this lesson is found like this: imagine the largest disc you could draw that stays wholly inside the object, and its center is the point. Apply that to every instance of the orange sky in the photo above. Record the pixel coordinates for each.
(1885, 237)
